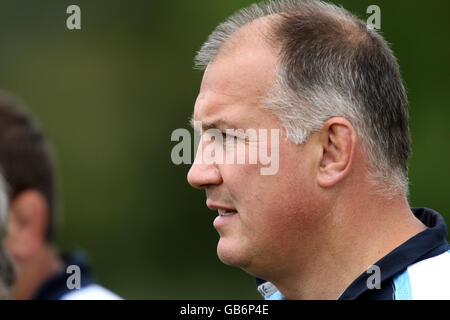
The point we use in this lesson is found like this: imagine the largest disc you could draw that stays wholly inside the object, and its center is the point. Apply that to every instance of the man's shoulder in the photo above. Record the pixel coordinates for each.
(74, 282)
(428, 279)
(91, 292)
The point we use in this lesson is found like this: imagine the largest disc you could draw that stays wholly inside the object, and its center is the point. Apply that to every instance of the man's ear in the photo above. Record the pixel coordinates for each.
(27, 224)
(338, 140)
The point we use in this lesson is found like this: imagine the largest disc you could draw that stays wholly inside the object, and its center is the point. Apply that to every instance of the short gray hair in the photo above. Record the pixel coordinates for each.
(331, 64)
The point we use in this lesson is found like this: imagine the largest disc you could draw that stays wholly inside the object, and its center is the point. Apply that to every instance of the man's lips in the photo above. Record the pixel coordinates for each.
(223, 211)
(225, 217)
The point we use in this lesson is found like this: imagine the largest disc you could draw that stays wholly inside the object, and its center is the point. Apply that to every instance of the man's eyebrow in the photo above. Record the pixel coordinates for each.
(208, 125)
(192, 123)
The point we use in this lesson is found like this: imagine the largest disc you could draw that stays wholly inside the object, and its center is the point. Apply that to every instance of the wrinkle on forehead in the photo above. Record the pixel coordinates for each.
(249, 70)
(235, 83)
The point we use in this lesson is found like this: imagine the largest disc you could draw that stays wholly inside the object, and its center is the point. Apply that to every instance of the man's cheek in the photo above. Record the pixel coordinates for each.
(237, 177)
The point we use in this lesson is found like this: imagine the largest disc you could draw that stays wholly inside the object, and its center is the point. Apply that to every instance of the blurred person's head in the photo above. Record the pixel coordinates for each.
(27, 164)
(333, 89)
(6, 265)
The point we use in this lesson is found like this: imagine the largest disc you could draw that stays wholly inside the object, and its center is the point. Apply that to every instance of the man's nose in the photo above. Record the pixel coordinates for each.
(201, 175)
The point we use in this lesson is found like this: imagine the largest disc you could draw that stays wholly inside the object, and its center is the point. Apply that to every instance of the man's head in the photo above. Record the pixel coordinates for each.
(328, 64)
(333, 88)
(26, 161)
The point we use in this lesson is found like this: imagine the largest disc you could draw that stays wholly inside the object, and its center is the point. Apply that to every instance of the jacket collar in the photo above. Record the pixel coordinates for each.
(426, 244)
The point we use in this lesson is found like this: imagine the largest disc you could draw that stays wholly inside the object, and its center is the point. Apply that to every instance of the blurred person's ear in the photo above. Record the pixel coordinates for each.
(27, 224)
(337, 144)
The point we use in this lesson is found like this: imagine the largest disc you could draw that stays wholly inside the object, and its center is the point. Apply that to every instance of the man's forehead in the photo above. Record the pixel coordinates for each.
(241, 78)
(245, 71)
(217, 111)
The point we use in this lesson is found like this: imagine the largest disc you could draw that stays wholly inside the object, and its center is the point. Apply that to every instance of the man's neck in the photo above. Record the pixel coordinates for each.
(353, 240)
(33, 273)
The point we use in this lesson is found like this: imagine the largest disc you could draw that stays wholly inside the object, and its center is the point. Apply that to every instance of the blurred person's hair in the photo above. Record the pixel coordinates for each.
(6, 264)
(25, 156)
(330, 65)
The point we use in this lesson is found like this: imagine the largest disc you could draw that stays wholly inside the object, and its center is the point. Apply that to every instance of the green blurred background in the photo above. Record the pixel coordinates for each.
(110, 95)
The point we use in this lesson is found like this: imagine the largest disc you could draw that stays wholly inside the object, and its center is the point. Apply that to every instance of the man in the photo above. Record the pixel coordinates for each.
(27, 164)
(6, 267)
(334, 220)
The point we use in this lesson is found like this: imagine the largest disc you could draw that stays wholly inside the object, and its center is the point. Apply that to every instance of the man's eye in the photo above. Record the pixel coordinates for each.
(227, 136)
(230, 138)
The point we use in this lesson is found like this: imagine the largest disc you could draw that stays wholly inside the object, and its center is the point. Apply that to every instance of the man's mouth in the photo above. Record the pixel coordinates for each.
(225, 213)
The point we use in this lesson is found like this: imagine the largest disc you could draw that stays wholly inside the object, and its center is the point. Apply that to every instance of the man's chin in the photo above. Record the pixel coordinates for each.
(232, 254)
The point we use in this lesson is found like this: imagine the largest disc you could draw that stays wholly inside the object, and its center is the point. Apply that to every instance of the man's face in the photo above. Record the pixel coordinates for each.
(270, 214)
